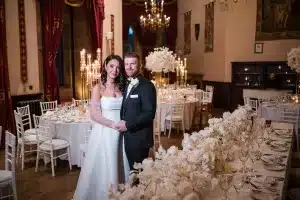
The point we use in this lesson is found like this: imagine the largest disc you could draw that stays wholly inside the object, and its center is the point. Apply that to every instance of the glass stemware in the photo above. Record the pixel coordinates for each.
(238, 183)
(225, 182)
(243, 156)
(259, 140)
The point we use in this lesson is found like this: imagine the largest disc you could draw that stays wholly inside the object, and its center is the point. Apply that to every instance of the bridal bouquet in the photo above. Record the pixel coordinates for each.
(188, 173)
(161, 59)
(293, 58)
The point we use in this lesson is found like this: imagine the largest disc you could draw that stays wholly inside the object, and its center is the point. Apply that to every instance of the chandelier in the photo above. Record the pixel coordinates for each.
(154, 17)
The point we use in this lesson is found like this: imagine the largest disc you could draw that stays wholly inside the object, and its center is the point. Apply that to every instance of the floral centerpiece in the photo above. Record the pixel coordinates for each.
(161, 60)
(188, 173)
(293, 58)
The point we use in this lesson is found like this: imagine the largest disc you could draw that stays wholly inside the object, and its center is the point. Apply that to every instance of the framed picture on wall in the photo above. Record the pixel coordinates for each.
(259, 48)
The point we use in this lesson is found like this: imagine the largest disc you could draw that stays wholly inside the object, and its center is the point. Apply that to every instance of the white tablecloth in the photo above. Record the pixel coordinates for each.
(73, 133)
(189, 109)
(260, 170)
(272, 111)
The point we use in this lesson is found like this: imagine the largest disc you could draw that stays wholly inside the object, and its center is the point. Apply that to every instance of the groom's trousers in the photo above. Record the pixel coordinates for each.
(136, 155)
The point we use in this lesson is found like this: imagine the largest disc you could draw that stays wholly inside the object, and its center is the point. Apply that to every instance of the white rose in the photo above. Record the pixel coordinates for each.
(191, 196)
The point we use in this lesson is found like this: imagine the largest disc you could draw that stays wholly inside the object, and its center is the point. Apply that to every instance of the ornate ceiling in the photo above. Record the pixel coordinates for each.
(142, 2)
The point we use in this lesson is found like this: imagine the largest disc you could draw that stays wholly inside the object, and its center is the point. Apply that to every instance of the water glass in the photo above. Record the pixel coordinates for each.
(225, 182)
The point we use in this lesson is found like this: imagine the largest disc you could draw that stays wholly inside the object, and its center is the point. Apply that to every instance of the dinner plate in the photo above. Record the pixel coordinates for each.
(274, 167)
(271, 159)
(279, 149)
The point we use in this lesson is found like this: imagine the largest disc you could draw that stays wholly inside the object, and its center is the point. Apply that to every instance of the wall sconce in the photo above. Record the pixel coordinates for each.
(109, 36)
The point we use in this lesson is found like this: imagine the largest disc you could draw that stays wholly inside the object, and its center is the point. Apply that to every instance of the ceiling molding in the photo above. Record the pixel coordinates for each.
(142, 2)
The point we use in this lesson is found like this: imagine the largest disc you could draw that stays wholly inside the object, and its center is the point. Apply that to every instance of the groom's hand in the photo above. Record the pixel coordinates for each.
(122, 126)
(115, 126)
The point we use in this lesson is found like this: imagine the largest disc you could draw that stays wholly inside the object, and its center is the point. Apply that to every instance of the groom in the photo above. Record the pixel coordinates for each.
(137, 112)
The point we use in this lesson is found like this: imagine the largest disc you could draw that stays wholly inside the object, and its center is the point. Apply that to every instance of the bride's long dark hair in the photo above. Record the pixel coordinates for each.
(120, 80)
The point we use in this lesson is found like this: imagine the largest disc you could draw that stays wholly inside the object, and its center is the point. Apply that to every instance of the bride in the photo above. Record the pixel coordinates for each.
(105, 164)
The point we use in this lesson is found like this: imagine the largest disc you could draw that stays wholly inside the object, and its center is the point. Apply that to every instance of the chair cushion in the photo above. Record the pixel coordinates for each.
(28, 139)
(5, 175)
(56, 144)
(31, 139)
(175, 118)
(30, 131)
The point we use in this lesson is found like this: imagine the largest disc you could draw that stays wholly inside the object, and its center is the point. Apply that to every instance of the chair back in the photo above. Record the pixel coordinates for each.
(157, 121)
(209, 88)
(176, 109)
(80, 102)
(48, 106)
(26, 116)
(207, 97)
(43, 133)
(19, 125)
(289, 114)
(262, 100)
(10, 152)
(36, 121)
(252, 103)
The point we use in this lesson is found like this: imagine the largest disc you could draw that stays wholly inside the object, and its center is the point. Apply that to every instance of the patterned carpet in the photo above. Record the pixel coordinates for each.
(41, 185)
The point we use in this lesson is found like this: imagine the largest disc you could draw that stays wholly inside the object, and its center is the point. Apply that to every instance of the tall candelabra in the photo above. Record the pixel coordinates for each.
(181, 72)
(90, 72)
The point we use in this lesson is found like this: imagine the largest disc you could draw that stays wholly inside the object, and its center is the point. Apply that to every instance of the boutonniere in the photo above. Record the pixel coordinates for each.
(134, 81)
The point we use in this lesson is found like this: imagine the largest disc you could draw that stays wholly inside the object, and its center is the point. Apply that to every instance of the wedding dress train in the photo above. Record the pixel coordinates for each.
(105, 163)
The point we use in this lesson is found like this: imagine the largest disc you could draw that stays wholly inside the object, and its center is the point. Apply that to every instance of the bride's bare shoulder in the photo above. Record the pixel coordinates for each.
(98, 89)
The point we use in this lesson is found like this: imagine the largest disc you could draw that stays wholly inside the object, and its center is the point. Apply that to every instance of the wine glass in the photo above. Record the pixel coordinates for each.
(259, 140)
(243, 156)
(225, 182)
(238, 183)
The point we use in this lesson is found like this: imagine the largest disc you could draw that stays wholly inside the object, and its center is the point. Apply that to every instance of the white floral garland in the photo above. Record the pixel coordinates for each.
(293, 58)
(161, 59)
(186, 174)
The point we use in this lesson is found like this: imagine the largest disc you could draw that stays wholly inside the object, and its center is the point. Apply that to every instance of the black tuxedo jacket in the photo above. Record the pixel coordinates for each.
(138, 111)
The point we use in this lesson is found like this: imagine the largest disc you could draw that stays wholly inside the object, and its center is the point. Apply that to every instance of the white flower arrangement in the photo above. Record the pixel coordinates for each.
(161, 59)
(188, 173)
(293, 58)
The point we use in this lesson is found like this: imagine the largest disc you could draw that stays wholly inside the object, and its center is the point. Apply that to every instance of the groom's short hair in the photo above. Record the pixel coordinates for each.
(133, 55)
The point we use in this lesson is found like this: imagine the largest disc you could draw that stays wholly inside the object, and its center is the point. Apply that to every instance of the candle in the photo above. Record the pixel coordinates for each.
(82, 54)
(89, 56)
(98, 54)
(185, 76)
(185, 62)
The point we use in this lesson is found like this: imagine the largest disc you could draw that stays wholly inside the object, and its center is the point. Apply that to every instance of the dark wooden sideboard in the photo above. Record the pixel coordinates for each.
(260, 75)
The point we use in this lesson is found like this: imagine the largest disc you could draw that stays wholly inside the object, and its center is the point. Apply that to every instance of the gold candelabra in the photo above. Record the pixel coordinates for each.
(90, 72)
(181, 72)
(154, 17)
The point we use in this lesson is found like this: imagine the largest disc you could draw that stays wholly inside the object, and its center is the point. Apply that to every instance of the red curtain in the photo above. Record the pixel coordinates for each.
(95, 17)
(52, 16)
(6, 117)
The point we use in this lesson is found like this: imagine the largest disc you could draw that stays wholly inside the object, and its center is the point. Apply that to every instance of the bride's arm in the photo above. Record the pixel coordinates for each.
(95, 109)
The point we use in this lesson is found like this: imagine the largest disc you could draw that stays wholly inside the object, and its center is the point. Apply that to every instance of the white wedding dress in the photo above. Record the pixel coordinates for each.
(105, 163)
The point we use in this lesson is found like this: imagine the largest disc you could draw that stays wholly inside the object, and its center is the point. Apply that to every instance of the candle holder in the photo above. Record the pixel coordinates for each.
(181, 72)
(90, 72)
